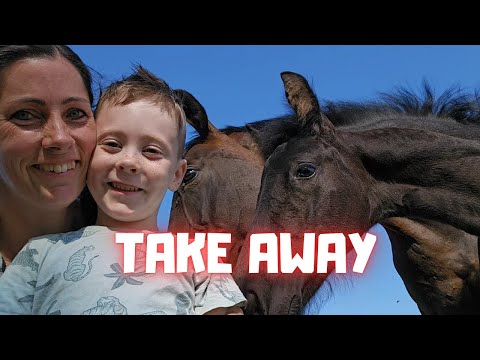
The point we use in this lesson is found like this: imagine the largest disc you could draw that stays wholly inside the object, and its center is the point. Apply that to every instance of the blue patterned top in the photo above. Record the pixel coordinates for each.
(80, 272)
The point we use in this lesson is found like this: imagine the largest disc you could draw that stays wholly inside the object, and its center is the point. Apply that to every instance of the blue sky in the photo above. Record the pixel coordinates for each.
(241, 83)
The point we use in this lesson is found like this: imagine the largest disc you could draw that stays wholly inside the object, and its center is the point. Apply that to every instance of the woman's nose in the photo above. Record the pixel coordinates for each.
(57, 136)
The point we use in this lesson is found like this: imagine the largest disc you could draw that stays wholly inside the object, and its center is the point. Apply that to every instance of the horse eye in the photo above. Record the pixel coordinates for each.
(190, 174)
(306, 171)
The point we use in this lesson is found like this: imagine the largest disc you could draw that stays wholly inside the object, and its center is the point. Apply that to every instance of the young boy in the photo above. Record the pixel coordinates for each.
(140, 140)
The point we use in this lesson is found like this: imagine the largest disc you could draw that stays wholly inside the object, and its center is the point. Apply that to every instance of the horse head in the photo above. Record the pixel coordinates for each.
(312, 183)
(333, 180)
(219, 190)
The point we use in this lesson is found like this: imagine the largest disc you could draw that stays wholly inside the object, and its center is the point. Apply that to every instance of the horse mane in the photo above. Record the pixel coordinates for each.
(454, 104)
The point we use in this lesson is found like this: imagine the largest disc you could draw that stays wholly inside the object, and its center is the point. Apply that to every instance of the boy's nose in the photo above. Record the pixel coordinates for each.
(128, 165)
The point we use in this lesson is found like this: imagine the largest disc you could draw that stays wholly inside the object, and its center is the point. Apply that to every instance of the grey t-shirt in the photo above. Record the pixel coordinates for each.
(80, 272)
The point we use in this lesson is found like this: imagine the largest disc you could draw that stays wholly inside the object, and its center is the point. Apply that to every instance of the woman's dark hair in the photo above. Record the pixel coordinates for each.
(89, 207)
(9, 54)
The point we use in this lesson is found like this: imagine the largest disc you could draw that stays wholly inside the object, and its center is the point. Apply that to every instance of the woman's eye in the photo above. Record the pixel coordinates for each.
(22, 115)
(76, 114)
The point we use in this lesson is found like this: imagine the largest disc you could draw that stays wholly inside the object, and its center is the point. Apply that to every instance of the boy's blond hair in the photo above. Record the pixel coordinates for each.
(143, 85)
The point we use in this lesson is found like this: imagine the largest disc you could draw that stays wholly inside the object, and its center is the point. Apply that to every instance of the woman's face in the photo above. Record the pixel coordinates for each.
(47, 132)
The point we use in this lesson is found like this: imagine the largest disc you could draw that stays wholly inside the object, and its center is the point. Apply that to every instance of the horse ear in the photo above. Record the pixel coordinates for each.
(195, 113)
(304, 102)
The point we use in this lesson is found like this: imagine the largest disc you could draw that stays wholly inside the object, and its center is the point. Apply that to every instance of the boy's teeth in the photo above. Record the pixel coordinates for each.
(124, 187)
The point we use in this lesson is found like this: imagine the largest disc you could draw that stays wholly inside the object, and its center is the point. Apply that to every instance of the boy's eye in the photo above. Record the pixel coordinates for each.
(111, 144)
(152, 152)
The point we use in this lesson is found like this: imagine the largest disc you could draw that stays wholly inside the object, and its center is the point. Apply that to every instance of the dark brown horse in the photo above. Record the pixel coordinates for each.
(220, 188)
(417, 181)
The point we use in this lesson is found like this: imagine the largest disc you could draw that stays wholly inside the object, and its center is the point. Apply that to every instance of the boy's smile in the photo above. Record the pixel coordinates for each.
(123, 188)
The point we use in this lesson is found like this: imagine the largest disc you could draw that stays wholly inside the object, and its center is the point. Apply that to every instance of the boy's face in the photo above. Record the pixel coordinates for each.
(135, 161)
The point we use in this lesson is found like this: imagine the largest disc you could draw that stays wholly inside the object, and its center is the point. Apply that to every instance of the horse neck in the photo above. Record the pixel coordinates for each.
(403, 160)
(396, 148)
(441, 125)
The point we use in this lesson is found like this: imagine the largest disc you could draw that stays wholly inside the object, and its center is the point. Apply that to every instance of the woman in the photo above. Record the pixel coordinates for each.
(47, 135)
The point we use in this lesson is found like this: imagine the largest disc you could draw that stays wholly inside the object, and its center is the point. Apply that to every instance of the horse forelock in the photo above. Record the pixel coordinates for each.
(265, 135)
(227, 148)
(201, 138)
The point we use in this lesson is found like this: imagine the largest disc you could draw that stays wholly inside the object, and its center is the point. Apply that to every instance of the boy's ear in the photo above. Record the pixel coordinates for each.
(179, 174)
